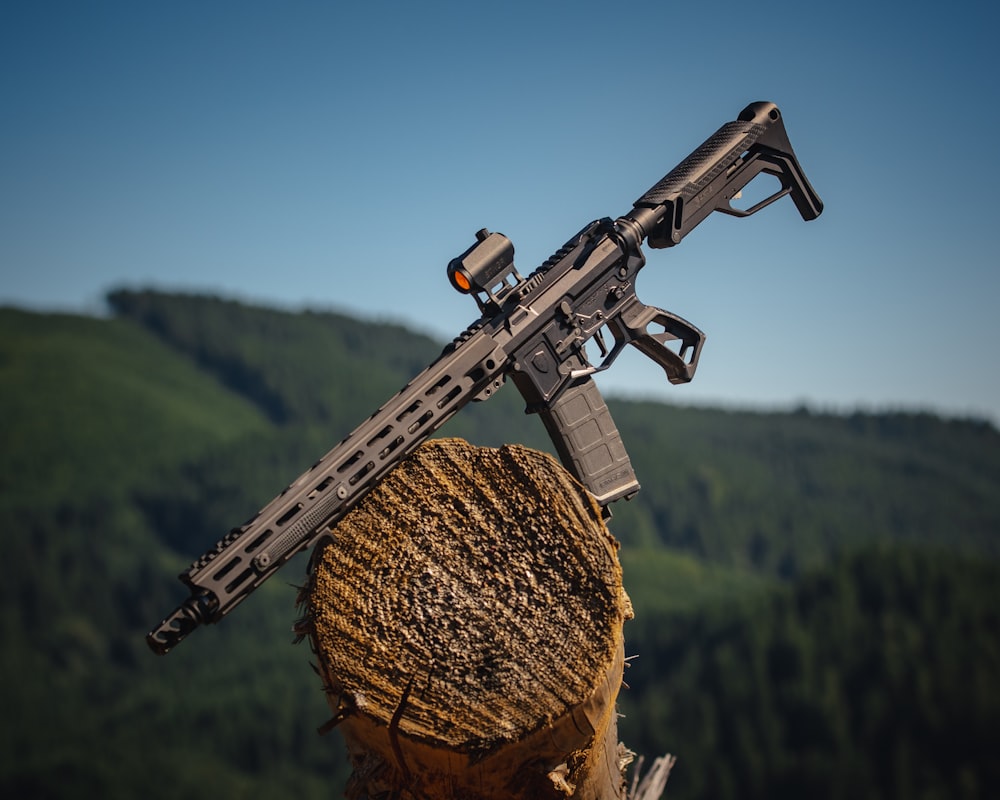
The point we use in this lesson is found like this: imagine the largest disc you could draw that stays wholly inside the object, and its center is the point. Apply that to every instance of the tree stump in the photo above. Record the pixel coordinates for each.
(467, 619)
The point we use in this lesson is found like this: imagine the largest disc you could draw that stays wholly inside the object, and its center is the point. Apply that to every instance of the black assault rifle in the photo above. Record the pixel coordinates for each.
(533, 330)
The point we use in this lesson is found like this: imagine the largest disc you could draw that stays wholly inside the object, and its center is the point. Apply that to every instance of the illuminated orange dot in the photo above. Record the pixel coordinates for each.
(462, 282)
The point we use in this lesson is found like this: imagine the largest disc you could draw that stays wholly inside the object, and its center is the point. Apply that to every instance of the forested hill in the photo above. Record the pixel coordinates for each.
(815, 594)
(771, 492)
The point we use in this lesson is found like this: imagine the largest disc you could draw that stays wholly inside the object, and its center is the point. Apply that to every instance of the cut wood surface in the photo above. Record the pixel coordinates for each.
(467, 620)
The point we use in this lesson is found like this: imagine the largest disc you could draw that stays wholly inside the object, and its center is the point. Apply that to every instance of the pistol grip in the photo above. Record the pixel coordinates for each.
(588, 442)
(669, 340)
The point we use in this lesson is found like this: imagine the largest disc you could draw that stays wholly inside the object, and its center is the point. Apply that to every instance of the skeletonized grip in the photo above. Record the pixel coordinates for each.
(588, 442)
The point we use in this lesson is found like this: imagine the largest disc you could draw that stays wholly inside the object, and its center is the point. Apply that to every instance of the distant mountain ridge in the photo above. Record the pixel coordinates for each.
(772, 560)
(704, 470)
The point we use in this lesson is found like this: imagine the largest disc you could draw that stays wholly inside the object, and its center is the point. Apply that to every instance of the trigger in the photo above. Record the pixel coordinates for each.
(601, 345)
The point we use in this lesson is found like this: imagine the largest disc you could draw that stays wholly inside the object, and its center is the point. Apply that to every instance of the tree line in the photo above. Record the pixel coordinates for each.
(814, 593)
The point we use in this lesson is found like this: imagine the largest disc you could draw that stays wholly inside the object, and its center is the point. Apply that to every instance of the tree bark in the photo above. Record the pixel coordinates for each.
(467, 620)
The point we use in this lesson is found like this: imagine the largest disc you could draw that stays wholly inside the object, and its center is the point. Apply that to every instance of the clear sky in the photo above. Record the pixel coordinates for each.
(337, 155)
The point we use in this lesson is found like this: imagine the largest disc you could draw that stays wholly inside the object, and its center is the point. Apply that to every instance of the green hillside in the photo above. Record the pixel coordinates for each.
(814, 593)
(781, 492)
(97, 416)
(84, 398)
(874, 677)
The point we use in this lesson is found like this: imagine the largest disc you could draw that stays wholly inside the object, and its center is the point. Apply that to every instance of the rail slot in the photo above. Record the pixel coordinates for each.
(289, 515)
(392, 446)
(380, 435)
(426, 417)
(444, 380)
(238, 580)
(351, 461)
(357, 476)
(256, 543)
(409, 410)
(448, 398)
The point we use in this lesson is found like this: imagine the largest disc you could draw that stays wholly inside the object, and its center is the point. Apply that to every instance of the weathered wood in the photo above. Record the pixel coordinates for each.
(650, 786)
(467, 619)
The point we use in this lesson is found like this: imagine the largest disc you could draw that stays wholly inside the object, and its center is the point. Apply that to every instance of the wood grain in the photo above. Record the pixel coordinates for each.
(467, 618)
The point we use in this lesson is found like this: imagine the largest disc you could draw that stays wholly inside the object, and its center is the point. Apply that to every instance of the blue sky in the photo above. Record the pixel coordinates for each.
(337, 155)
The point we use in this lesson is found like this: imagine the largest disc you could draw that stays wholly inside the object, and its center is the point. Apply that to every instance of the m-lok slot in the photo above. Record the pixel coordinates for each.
(236, 582)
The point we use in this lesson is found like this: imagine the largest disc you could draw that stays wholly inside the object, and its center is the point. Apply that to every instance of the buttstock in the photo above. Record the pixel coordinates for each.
(775, 146)
(711, 176)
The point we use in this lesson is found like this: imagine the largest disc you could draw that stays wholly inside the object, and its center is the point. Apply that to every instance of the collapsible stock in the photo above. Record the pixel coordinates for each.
(715, 173)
